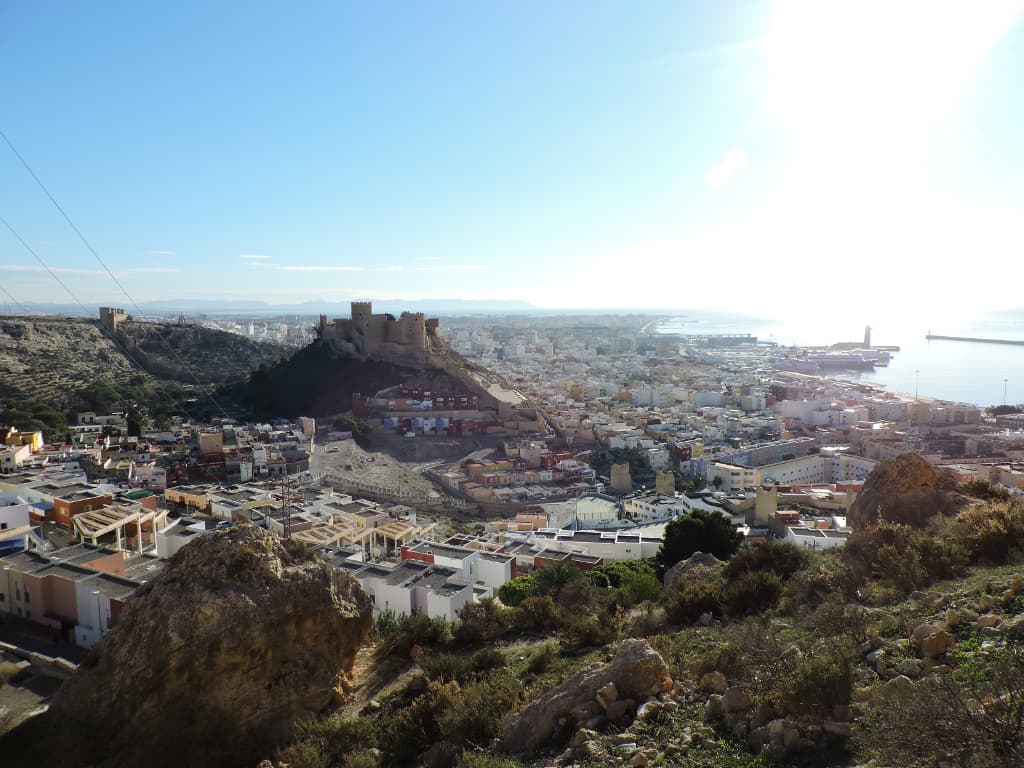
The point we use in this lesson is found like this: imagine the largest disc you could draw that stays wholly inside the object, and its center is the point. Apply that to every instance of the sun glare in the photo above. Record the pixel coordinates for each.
(877, 67)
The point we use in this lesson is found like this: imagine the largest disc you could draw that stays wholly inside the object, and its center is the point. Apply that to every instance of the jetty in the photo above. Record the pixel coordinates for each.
(937, 337)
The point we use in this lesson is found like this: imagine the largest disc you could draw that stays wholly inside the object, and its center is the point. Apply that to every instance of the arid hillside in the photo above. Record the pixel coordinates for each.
(168, 351)
(49, 359)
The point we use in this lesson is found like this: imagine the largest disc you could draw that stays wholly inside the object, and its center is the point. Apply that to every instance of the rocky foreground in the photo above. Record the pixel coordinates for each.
(213, 663)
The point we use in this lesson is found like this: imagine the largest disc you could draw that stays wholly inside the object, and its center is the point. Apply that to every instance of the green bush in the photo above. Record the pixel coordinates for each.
(581, 630)
(480, 710)
(384, 623)
(699, 531)
(828, 573)
(993, 533)
(835, 617)
(985, 489)
(542, 659)
(323, 743)
(487, 659)
(412, 630)
(405, 733)
(901, 558)
(614, 574)
(781, 558)
(364, 758)
(512, 593)
(482, 622)
(751, 593)
(685, 603)
(485, 760)
(445, 667)
(819, 681)
(550, 579)
(538, 614)
(579, 596)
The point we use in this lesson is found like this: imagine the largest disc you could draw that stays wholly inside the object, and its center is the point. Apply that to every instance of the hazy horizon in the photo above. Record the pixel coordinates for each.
(744, 156)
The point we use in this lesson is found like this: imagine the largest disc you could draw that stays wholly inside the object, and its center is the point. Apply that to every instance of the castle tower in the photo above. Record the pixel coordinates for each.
(766, 504)
(622, 482)
(110, 317)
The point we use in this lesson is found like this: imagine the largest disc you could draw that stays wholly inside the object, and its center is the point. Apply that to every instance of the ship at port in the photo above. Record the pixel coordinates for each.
(816, 360)
(842, 356)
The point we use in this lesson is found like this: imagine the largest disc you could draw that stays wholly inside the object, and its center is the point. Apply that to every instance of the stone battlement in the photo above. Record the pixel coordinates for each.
(404, 340)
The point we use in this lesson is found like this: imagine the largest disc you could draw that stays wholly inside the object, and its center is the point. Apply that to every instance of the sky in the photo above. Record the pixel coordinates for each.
(761, 157)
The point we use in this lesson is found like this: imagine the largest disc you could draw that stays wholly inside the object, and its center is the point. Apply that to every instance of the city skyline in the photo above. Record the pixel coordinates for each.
(574, 156)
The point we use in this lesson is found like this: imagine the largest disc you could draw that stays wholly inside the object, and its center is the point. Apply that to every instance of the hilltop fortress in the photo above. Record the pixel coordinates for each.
(406, 340)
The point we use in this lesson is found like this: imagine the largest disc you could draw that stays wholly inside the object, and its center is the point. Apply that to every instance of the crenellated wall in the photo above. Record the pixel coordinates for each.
(404, 340)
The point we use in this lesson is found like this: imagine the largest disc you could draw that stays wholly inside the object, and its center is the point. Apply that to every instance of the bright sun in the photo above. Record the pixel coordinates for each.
(877, 67)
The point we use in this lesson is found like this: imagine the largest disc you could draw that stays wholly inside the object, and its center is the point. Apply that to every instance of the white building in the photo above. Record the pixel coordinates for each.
(413, 586)
(816, 538)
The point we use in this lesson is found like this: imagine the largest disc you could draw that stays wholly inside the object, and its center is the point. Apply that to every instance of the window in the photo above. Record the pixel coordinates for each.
(26, 596)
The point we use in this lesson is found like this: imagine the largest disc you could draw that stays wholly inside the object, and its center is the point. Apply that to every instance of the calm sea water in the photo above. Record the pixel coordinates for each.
(968, 372)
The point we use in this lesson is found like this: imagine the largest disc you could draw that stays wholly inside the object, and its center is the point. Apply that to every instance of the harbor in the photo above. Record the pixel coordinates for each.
(937, 337)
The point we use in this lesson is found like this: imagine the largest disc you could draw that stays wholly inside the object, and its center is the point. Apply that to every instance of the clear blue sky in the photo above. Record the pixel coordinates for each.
(594, 154)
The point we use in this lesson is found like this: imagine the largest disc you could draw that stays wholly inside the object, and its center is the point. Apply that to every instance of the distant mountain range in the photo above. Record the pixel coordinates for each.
(333, 308)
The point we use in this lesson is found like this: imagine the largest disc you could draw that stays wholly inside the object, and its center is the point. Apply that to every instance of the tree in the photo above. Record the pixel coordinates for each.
(699, 531)
(717, 482)
(550, 579)
(512, 593)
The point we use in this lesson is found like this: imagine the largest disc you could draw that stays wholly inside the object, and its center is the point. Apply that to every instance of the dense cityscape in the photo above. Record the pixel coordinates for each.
(512, 385)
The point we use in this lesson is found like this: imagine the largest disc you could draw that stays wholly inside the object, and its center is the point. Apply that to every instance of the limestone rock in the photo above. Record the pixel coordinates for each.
(923, 630)
(697, 565)
(908, 490)
(910, 667)
(606, 695)
(936, 644)
(618, 709)
(837, 728)
(713, 682)
(735, 699)
(902, 683)
(637, 671)
(918, 600)
(213, 661)
(713, 709)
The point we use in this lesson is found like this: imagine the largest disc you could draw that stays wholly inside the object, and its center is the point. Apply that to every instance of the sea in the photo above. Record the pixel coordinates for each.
(962, 371)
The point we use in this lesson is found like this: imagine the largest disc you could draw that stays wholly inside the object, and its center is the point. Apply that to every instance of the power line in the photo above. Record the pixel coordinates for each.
(185, 366)
(67, 218)
(114, 340)
(44, 265)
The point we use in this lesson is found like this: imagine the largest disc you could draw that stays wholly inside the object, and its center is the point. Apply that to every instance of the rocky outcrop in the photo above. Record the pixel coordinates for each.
(212, 663)
(906, 490)
(635, 677)
(182, 351)
(697, 566)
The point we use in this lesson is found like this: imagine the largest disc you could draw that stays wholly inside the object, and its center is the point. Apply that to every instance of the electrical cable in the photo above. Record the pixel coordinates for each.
(113, 338)
(185, 366)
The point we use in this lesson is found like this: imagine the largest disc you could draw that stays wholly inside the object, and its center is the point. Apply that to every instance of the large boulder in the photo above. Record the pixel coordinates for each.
(908, 490)
(636, 672)
(212, 662)
(697, 566)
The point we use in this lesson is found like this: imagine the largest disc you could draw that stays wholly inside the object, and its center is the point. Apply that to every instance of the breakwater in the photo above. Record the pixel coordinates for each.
(1012, 342)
